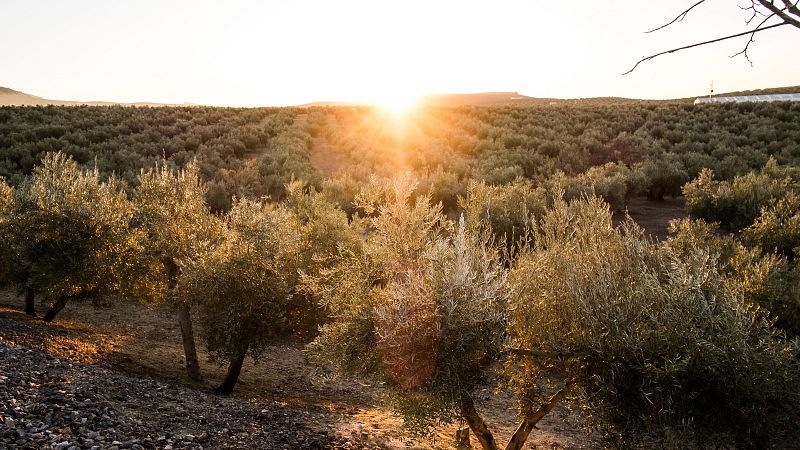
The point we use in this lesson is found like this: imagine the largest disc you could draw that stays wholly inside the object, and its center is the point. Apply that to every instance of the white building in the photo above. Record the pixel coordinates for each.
(750, 98)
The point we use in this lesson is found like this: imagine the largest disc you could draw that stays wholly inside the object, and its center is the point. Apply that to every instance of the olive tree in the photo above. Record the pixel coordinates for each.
(777, 228)
(646, 338)
(171, 210)
(766, 276)
(737, 203)
(11, 271)
(419, 305)
(244, 287)
(327, 232)
(71, 238)
(507, 208)
(6, 200)
(6, 204)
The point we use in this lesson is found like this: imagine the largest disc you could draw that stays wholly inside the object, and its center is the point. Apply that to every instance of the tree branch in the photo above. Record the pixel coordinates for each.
(750, 41)
(539, 353)
(792, 8)
(477, 424)
(782, 13)
(678, 18)
(755, 10)
(532, 418)
(647, 58)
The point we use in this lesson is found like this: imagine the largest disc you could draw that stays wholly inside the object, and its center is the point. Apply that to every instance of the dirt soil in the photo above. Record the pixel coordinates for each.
(654, 216)
(327, 159)
(137, 341)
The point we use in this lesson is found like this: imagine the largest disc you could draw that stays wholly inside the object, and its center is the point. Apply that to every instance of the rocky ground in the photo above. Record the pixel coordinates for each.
(48, 402)
(97, 375)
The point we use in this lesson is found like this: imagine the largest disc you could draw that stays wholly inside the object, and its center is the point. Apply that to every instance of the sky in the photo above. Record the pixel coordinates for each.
(285, 52)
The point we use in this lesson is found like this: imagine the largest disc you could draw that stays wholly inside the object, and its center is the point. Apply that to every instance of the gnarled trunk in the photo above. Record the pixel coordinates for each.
(185, 321)
(234, 369)
(55, 309)
(476, 424)
(530, 421)
(30, 306)
(189, 349)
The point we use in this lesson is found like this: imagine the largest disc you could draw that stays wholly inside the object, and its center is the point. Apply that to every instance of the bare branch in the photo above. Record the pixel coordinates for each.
(792, 8)
(678, 18)
(784, 15)
(753, 8)
(648, 58)
(751, 40)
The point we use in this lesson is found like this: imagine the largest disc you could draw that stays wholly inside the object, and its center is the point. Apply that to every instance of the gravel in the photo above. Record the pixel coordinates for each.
(51, 403)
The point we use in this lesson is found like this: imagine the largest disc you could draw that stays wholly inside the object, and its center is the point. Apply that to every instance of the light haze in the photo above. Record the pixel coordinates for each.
(254, 53)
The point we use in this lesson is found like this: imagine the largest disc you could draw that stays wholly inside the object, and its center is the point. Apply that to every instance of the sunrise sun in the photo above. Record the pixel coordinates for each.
(398, 104)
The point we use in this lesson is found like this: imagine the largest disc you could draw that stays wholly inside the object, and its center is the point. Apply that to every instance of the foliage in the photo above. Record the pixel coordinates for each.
(342, 191)
(737, 203)
(6, 207)
(71, 234)
(327, 234)
(507, 209)
(650, 338)
(124, 140)
(667, 142)
(6, 198)
(244, 286)
(766, 279)
(419, 306)
(255, 152)
(613, 182)
(171, 210)
(664, 176)
(647, 336)
(286, 159)
(777, 228)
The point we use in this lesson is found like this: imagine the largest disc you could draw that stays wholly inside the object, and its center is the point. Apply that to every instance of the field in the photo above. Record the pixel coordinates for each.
(350, 270)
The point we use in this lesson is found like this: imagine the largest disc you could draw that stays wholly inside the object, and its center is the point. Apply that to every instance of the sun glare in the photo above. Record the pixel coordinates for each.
(398, 104)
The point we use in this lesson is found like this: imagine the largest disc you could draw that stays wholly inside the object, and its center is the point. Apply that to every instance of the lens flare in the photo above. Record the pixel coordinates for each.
(398, 104)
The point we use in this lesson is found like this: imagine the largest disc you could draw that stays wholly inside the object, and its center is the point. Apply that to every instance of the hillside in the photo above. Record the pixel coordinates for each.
(10, 97)
(767, 91)
(494, 99)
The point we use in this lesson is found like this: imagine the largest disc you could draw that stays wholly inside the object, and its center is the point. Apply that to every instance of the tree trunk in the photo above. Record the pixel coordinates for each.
(55, 309)
(462, 439)
(476, 424)
(185, 320)
(30, 306)
(189, 349)
(234, 369)
(530, 421)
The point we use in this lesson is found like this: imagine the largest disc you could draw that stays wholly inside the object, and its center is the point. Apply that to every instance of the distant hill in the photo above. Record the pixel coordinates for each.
(10, 97)
(494, 99)
(332, 104)
(482, 99)
(517, 99)
(769, 91)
